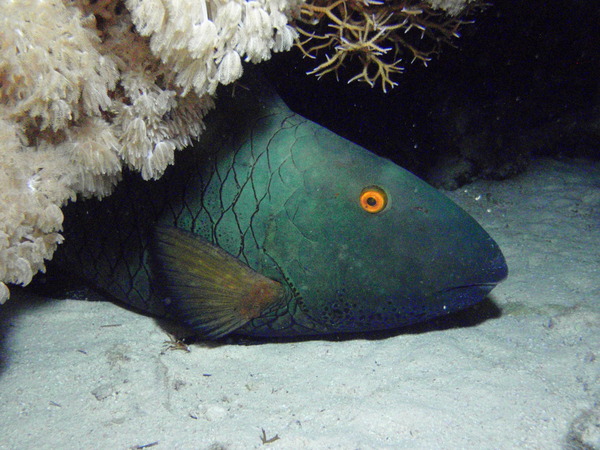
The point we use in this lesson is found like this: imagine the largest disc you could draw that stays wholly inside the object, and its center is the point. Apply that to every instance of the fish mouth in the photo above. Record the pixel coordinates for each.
(464, 295)
(457, 298)
(478, 288)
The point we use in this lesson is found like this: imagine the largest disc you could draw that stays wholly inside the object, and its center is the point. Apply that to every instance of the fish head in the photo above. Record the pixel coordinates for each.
(365, 245)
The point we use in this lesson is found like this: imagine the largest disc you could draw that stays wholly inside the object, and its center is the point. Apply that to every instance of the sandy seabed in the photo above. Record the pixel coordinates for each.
(519, 371)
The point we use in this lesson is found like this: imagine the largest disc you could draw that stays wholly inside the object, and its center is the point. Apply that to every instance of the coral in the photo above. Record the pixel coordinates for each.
(88, 88)
(378, 33)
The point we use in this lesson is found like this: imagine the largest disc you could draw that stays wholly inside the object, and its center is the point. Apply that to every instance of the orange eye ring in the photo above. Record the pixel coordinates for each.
(373, 199)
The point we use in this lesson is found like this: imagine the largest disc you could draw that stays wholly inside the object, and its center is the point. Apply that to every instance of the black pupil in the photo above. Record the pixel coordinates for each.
(371, 201)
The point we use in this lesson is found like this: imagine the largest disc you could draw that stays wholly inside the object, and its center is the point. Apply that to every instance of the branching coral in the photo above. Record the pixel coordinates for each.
(88, 87)
(379, 33)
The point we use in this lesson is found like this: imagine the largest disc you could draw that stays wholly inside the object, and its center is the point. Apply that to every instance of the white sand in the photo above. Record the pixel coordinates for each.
(78, 374)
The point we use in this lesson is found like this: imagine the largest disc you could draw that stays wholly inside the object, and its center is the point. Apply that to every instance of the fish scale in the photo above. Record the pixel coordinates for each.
(212, 191)
(271, 225)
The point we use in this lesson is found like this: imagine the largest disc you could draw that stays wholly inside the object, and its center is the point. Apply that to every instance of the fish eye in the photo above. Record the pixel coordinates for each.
(373, 199)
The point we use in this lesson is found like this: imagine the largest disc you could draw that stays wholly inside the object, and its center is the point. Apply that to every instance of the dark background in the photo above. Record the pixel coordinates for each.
(523, 81)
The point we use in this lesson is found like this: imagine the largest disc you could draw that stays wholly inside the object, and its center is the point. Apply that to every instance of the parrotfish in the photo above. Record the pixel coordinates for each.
(274, 226)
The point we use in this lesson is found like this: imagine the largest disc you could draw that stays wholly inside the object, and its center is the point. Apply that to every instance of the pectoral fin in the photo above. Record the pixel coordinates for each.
(210, 290)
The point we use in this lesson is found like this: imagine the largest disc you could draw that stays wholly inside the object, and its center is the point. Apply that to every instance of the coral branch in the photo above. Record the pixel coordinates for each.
(375, 32)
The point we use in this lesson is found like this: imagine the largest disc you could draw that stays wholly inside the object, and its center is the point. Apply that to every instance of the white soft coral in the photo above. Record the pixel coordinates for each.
(84, 92)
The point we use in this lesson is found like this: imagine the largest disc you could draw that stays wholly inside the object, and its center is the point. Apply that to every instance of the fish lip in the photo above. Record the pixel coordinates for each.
(456, 298)
(499, 269)
(489, 286)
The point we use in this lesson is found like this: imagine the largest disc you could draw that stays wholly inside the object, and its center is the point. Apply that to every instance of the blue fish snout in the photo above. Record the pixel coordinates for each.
(498, 270)
(472, 286)
(489, 269)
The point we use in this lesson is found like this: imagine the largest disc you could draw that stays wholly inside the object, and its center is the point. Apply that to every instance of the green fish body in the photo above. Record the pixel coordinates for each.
(274, 226)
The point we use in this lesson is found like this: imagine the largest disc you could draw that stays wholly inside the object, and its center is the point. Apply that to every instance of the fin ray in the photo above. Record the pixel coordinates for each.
(212, 291)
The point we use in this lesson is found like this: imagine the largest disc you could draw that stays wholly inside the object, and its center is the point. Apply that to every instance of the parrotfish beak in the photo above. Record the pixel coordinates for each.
(462, 296)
